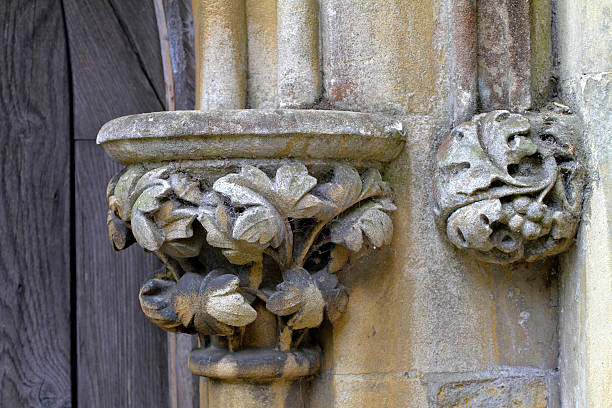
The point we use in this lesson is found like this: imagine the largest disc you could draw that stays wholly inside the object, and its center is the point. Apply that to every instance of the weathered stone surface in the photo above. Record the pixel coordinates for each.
(379, 390)
(504, 66)
(541, 51)
(221, 54)
(449, 313)
(262, 54)
(252, 133)
(384, 62)
(255, 395)
(503, 392)
(417, 308)
(265, 364)
(283, 239)
(463, 59)
(508, 187)
(583, 41)
(299, 78)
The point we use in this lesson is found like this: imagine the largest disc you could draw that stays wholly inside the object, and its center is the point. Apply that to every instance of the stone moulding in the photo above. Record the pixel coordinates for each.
(508, 187)
(247, 133)
(252, 215)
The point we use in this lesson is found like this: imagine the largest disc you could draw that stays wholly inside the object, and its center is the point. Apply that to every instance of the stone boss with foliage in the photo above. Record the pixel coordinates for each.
(508, 186)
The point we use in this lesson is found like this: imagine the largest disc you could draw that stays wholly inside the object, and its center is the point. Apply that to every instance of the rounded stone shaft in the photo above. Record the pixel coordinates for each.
(221, 55)
(277, 394)
(299, 80)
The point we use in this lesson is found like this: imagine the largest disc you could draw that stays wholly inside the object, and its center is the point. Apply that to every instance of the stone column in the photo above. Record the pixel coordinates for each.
(221, 54)
(584, 68)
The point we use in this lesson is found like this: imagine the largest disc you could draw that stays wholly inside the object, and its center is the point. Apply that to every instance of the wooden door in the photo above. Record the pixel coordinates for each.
(71, 329)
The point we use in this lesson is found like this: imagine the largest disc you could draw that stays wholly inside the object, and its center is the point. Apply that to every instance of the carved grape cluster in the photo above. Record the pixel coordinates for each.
(508, 188)
(248, 217)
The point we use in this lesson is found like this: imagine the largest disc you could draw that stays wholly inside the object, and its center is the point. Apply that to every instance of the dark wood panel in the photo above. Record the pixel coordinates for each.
(122, 359)
(34, 206)
(184, 386)
(116, 62)
(175, 22)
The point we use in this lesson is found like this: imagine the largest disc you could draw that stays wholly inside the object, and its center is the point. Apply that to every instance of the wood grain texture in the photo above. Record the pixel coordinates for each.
(116, 63)
(174, 17)
(121, 355)
(184, 387)
(35, 206)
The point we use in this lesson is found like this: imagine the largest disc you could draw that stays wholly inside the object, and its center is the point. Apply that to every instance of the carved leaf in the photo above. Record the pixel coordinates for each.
(341, 193)
(183, 248)
(119, 232)
(212, 305)
(216, 223)
(298, 294)
(186, 188)
(147, 234)
(251, 187)
(246, 188)
(346, 189)
(226, 304)
(373, 185)
(290, 188)
(156, 302)
(122, 190)
(335, 295)
(255, 225)
(369, 219)
(176, 220)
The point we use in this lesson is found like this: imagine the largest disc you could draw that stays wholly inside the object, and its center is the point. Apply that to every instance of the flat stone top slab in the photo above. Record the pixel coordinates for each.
(252, 134)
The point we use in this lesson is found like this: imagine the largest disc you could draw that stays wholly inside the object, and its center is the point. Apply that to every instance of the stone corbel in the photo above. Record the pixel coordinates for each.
(253, 214)
(508, 186)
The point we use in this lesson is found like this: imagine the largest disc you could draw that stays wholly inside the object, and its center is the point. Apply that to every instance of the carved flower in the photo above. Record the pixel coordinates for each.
(212, 304)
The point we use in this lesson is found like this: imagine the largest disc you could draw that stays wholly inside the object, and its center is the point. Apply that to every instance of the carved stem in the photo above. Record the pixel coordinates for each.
(288, 244)
(171, 265)
(314, 233)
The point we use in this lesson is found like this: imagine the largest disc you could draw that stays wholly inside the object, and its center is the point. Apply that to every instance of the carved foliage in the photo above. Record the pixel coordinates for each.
(508, 186)
(247, 216)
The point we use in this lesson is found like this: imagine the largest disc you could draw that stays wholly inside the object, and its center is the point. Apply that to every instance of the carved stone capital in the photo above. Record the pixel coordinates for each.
(250, 248)
(508, 187)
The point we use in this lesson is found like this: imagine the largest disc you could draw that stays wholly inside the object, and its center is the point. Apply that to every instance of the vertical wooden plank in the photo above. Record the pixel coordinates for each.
(183, 391)
(116, 70)
(35, 206)
(113, 73)
(175, 22)
(122, 356)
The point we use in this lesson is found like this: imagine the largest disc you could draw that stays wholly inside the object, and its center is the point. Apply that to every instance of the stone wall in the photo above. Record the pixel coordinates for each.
(427, 326)
(583, 43)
